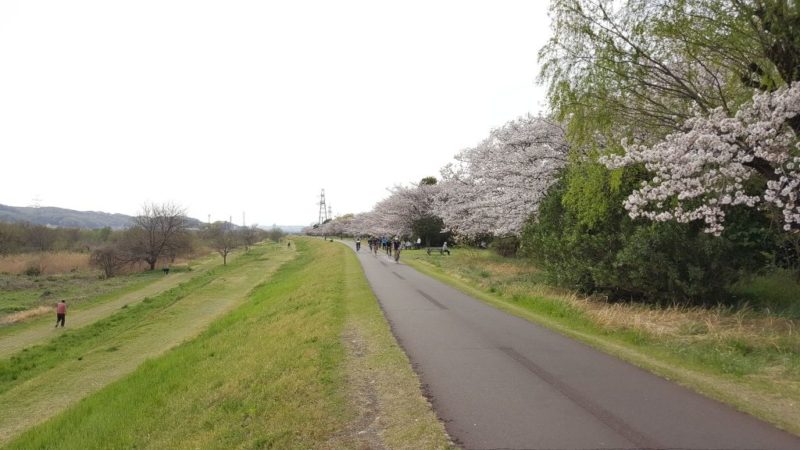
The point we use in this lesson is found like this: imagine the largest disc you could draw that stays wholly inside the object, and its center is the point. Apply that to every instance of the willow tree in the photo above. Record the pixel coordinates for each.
(641, 68)
(626, 75)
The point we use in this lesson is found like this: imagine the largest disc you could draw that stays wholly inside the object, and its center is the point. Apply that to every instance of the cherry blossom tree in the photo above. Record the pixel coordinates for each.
(495, 187)
(405, 205)
(707, 167)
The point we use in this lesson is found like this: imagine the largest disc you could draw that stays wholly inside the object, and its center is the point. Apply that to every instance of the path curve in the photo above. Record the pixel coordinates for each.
(501, 382)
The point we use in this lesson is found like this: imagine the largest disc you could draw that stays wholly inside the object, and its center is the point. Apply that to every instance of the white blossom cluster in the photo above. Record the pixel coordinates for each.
(392, 216)
(495, 187)
(700, 171)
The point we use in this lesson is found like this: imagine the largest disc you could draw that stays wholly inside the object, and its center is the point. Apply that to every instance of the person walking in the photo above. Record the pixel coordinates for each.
(358, 244)
(61, 313)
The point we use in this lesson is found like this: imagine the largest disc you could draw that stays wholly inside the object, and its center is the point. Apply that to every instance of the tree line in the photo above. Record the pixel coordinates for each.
(667, 167)
(26, 237)
(160, 233)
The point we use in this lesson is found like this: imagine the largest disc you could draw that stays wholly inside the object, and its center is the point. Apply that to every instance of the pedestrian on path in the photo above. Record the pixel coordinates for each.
(61, 313)
(396, 245)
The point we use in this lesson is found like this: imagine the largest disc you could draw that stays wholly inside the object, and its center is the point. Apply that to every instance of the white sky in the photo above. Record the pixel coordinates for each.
(232, 106)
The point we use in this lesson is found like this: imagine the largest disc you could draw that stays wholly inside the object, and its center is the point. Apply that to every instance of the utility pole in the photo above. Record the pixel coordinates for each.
(244, 224)
(323, 209)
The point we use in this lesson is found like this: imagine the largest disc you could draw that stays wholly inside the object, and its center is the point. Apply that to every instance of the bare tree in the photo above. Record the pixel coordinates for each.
(109, 259)
(157, 230)
(223, 239)
(276, 234)
(250, 235)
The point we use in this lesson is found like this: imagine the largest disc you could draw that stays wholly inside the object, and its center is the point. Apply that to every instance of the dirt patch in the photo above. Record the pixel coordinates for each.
(364, 431)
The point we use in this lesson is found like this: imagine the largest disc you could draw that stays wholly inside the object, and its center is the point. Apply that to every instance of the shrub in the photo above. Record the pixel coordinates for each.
(506, 246)
(625, 259)
(33, 270)
(108, 259)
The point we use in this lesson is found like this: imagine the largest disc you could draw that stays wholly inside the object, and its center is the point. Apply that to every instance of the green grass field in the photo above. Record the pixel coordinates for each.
(746, 357)
(21, 293)
(298, 358)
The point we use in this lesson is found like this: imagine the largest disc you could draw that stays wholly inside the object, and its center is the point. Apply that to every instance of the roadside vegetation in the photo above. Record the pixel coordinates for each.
(306, 361)
(746, 354)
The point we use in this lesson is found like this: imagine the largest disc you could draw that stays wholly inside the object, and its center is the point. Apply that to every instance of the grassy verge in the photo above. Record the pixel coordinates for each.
(292, 367)
(747, 358)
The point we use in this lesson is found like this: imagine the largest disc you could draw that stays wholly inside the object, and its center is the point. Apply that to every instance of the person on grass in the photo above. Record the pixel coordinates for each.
(61, 313)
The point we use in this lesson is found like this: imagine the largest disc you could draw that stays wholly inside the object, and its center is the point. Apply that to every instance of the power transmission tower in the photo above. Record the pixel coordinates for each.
(323, 209)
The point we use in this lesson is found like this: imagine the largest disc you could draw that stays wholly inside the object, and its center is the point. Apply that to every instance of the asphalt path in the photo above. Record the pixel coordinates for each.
(501, 382)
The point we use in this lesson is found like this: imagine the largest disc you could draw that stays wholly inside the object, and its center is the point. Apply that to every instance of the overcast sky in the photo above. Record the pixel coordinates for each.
(232, 106)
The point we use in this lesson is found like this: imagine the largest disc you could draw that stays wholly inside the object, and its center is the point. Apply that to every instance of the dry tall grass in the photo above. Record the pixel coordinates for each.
(684, 322)
(48, 263)
(21, 316)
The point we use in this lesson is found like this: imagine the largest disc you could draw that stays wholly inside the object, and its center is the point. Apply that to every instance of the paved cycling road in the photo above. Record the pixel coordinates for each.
(501, 382)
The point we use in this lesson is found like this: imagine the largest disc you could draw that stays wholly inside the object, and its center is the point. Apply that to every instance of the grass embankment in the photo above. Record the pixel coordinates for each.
(42, 380)
(744, 356)
(31, 283)
(89, 308)
(306, 362)
(23, 297)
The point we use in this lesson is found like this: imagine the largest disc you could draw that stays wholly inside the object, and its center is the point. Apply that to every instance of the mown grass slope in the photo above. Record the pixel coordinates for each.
(306, 362)
(43, 380)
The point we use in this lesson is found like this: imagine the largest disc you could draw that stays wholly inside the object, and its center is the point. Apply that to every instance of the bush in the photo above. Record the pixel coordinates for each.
(669, 262)
(33, 270)
(506, 246)
(625, 259)
(108, 259)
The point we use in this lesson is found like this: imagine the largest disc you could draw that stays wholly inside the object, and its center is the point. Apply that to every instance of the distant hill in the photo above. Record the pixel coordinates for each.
(68, 218)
